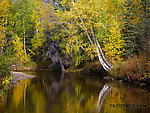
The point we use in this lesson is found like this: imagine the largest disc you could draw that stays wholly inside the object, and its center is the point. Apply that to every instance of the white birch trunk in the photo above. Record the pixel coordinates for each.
(24, 37)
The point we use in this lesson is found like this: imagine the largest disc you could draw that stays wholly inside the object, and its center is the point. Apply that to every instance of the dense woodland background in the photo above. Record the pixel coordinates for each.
(69, 34)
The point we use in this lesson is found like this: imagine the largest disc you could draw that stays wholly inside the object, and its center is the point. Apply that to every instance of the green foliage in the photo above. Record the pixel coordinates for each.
(20, 56)
(38, 40)
(135, 25)
(5, 75)
(5, 66)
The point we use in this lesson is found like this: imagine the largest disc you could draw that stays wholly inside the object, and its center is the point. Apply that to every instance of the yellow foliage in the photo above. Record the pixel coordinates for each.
(4, 7)
(100, 20)
(42, 15)
(20, 55)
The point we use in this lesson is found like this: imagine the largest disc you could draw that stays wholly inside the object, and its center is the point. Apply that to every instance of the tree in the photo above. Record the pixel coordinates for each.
(42, 15)
(4, 9)
(20, 21)
(20, 29)
(85, 26)
(135, 25)
(38, 40)
(20, 57)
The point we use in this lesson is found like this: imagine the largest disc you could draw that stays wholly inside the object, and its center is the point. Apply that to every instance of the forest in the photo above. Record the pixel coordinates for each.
(100, 36)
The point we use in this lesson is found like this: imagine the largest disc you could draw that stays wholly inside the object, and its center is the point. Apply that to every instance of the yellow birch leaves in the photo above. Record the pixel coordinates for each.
(97, 19)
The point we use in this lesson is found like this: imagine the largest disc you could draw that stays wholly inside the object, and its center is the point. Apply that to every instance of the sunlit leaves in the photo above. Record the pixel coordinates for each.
(100, 21)
(19, 51)
(4, 9)
(42, 16)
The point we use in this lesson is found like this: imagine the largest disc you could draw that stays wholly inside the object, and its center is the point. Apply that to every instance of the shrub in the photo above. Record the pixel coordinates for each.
(5, 69)
(134, 68)
(5, 66)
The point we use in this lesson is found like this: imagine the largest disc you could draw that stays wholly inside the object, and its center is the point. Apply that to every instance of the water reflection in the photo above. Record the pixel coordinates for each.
(102, 95)
(52, 92)
(126, 99)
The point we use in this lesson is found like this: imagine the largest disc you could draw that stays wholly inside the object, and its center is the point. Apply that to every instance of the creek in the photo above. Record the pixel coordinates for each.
(55, 92)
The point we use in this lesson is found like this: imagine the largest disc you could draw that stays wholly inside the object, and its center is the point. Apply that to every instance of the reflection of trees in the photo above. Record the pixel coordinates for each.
(59, 93)
(54, 93)
(77, 96)
(136, 95)
(116, 97)
(16, 100)
(102, 95)
(19, 92)
(38, 101)
(53, 90)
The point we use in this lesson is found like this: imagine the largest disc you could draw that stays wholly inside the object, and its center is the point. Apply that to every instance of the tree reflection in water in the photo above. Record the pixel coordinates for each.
(102, 95)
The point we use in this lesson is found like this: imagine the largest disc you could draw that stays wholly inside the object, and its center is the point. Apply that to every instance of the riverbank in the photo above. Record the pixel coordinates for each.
(19, 76)
(134, 70)
(93, 68)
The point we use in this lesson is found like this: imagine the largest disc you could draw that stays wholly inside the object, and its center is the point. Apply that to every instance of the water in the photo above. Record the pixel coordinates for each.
(51, 92)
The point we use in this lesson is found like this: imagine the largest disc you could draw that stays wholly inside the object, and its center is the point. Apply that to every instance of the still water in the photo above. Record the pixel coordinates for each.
(51, 92)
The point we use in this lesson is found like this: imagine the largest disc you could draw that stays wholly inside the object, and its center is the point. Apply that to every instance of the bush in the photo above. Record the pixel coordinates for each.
(134, 68)
(5, 66)
(5, 73)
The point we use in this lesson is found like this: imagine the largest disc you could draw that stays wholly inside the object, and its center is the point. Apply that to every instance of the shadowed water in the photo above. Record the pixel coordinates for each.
(51, 92)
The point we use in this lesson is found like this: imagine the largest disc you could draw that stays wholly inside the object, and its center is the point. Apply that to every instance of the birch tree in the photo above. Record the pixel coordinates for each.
(89, 30)
(21, 23)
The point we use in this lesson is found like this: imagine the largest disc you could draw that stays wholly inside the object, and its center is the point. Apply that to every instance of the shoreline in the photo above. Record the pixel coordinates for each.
(16, 76)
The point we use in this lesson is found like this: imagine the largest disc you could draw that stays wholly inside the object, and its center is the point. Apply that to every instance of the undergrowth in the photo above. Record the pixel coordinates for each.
(134, 68)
